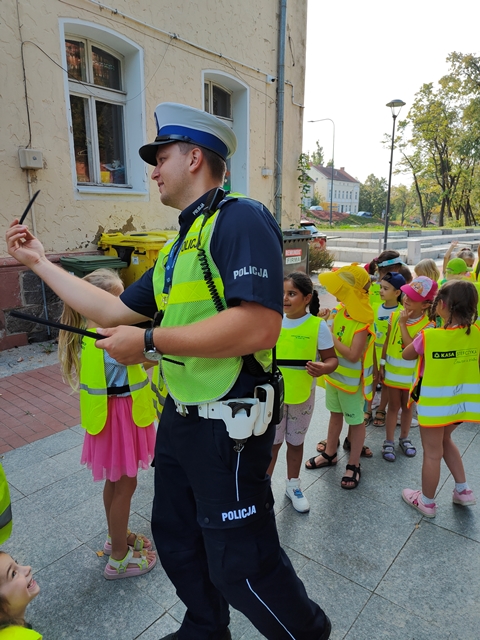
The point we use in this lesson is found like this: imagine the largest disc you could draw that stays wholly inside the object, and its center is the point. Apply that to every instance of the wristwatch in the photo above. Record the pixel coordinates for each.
(150, 352)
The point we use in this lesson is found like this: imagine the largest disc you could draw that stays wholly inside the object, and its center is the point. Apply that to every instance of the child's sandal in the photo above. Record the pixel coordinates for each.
(388, 452)
(322, 445)
(365, 453)
(379, 421)
(407, 447)
(367, 418)
(351, 479)
(141, 543)
(116, 569)
(329, 461)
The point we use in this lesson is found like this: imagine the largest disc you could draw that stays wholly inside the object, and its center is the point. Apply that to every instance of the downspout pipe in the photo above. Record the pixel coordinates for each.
(282, 36)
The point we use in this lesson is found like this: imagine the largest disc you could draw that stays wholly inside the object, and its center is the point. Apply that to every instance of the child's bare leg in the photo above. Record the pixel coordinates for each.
(108, 493)
(118, 515)
(432, 441)
(383, 398)
(334, 430)
(394, 402)
(275, 450)
(452, 456)
(294, 460)
(406, 420)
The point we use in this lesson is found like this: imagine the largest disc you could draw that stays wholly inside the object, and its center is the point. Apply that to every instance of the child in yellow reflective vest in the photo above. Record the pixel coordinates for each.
(302, 338)
(449, 393)
(117, 412)
(390, 295)
(397, 373)
(17, 590)
(352, 381)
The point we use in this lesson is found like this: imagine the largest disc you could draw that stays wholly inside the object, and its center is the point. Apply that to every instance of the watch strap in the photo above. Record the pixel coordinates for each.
(149, 343)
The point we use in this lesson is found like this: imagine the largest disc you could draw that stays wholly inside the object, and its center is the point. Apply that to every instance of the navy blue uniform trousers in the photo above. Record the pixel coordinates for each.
(215, 532)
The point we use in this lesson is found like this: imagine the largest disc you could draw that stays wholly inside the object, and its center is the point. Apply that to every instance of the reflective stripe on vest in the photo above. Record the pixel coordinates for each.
(192, 380)
(5, 508)
(451, 357)
(94, 392)
(159, 394)
(399, 373)
(348, 375)
(298, 343)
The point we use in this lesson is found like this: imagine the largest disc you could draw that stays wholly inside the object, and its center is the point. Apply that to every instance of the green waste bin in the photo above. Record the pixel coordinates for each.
(82, 265)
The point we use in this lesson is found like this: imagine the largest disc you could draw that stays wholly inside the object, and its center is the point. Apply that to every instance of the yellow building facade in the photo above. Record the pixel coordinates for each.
(80, 82)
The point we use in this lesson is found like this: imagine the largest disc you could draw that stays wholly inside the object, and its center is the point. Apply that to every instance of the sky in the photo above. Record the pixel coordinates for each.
(362, 55)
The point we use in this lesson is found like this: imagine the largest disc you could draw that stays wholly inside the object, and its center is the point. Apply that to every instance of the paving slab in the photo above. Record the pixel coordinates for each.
(437, 574)
(380, 569)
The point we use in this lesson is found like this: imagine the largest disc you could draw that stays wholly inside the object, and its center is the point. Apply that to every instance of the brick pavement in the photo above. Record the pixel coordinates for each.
(35, 404)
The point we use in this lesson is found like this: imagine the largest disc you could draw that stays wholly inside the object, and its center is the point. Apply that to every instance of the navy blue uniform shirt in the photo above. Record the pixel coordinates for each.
(247, 248)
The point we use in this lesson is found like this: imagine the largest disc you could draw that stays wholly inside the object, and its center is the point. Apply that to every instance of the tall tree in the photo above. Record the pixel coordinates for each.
(373, 195)
(317, 156)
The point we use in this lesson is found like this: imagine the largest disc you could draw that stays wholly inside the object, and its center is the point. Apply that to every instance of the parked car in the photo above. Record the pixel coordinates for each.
(365, 214)
(316, 207)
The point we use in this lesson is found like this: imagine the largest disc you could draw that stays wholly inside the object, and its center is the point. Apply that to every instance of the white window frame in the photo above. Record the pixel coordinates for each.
(134, 121)
(240, 123)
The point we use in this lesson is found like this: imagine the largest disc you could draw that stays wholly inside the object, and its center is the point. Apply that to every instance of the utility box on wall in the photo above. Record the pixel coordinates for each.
(30, 158)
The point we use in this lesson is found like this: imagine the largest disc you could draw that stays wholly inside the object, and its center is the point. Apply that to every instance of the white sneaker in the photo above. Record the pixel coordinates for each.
(293, 491)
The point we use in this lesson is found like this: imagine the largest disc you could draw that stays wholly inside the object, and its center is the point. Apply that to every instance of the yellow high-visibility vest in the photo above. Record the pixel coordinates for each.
(296, 346)
(191, 380)
(94, 393)
(19, 633)
(348, 376)
(399, 373)
(381, 328)
(374, 295)
(5, 508)
(450, 390)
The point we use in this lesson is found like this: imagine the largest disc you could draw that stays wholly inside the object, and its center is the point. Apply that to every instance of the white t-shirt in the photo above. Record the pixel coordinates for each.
(325, 340)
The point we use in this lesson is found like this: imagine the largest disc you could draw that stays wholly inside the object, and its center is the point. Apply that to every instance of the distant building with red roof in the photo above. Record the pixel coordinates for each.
(346, 188)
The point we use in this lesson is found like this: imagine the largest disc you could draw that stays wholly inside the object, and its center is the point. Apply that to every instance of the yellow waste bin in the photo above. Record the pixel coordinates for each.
(138, 250)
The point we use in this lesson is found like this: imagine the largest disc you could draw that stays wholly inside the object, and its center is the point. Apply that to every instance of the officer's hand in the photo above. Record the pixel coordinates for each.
(123, 343)
(23, 245)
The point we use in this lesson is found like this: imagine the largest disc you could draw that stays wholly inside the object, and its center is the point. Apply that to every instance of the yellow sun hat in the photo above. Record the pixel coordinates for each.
(348, 284)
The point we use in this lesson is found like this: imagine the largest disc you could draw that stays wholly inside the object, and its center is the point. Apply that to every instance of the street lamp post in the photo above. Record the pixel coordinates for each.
(333, 163)
(395, 106)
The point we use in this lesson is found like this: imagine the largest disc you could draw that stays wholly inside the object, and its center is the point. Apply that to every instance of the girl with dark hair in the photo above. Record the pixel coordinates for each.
(448, 368)
(303, 338)
(17, 590)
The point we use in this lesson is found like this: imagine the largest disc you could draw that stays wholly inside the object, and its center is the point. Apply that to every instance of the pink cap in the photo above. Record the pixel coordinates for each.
(421, 289)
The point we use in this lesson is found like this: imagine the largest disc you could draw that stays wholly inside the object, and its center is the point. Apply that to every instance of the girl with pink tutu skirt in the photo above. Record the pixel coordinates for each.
(117, 412)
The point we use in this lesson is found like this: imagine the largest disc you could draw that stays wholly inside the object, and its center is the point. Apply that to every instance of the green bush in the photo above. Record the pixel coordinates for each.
(319, 259)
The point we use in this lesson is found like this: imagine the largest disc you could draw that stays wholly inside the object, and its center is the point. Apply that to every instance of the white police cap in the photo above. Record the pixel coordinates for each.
(181, 123)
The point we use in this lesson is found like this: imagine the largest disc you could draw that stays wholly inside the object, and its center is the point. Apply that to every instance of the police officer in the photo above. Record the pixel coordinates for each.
(219, 291)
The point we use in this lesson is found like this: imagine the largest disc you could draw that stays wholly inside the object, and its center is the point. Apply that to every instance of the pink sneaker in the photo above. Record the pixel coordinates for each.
(465, 497)
(412, 498)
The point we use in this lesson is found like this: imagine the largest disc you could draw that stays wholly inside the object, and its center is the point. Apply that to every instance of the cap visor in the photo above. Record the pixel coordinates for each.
(148, 152)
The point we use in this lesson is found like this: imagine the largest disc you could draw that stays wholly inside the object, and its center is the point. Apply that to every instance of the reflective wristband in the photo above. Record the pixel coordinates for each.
(382, 362)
